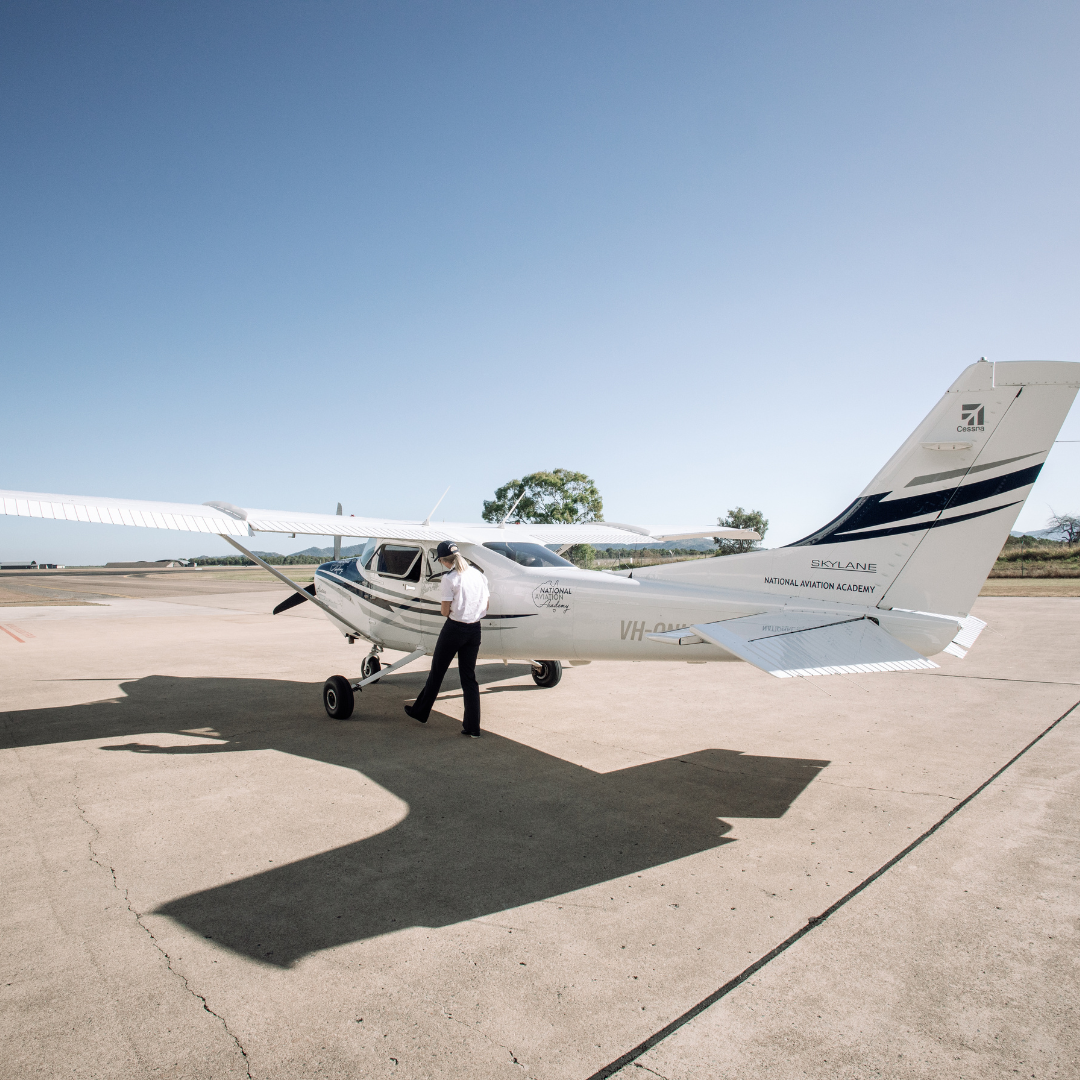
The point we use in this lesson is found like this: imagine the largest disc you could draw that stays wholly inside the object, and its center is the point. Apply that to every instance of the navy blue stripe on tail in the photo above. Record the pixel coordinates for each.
(870, 516)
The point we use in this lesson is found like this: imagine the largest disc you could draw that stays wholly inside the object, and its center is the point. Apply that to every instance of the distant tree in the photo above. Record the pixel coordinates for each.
(740, 519)
(547, 498)
(583, 555)
(1069, 524)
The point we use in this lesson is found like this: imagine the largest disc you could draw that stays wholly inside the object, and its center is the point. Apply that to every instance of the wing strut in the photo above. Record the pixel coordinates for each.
(296, 588)
(393, 667)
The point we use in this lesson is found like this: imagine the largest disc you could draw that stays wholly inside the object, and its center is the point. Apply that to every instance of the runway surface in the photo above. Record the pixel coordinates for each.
(205, 877)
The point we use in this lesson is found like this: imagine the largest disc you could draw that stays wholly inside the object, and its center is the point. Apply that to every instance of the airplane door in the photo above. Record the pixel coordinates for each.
(491, 636)
(397, 578)
(432, 584)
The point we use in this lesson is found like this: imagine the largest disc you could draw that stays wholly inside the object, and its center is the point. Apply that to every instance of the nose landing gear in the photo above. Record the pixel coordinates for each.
(339, 693)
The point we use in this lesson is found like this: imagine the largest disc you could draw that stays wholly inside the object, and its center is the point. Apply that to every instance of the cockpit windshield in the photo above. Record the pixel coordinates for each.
(529, 554)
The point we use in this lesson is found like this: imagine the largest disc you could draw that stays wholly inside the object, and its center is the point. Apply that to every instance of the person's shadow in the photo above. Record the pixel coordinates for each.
(492, 824)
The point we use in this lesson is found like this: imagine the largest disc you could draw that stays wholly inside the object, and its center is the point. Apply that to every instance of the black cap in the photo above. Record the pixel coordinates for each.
(445, 550)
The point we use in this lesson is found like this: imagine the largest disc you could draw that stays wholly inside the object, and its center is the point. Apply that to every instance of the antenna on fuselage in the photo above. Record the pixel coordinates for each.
(502, 524)
(427, 520)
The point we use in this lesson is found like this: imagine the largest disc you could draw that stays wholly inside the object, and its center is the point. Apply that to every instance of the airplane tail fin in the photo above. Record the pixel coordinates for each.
(925, 532)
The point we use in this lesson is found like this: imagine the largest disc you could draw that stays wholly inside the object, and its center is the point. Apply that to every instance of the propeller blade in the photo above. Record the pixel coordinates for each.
(294, 599)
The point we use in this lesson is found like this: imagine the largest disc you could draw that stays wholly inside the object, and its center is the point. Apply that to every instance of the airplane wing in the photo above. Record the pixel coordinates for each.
(153, 515)
(796, 645)
(217, 517)
(223, 517)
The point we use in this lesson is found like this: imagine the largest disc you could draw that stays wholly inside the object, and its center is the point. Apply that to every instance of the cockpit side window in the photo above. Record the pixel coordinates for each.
(398, 561)
(528, 554)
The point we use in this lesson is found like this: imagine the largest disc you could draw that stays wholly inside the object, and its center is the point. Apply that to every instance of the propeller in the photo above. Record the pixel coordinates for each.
(294, 599)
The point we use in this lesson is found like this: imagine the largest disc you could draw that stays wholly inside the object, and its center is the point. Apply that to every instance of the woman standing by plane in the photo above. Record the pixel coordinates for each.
(464, 597)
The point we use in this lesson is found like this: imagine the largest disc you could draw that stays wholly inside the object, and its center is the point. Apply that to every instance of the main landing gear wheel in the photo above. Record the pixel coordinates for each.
(369, 667)
(547, 672)
(337, 697)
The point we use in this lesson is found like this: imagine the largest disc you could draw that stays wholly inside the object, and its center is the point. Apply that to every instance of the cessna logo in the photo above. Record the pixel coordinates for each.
(972, 418)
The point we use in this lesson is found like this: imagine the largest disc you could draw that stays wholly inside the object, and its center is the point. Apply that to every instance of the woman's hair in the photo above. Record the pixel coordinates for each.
(460, 565)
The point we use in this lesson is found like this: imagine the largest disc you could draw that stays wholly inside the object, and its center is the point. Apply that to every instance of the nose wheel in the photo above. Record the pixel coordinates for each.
(337, 697)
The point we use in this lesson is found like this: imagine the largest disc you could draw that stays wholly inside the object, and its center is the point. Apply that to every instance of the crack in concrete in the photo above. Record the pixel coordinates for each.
(996, 678)
(476, 1031)
(645, 1068)
(153, 940)
(885, 790)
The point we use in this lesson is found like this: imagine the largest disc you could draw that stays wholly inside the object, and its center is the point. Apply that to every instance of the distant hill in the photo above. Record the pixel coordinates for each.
(272, 557)
(328, 552)
(701, 544)
(1040, 534)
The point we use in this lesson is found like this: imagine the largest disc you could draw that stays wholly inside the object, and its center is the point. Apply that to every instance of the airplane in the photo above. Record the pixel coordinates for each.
(883, 586)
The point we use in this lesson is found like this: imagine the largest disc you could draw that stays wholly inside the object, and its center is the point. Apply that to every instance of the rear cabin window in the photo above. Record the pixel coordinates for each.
(529, 554)
(393, 560)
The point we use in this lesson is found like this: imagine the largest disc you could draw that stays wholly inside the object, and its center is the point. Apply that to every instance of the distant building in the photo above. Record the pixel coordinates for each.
(32, 564)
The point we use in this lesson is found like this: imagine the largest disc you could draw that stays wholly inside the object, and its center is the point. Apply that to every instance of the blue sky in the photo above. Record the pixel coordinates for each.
(286, 254)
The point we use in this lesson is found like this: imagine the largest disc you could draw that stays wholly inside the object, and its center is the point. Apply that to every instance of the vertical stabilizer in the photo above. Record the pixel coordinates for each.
(926, 530)
(971, 497)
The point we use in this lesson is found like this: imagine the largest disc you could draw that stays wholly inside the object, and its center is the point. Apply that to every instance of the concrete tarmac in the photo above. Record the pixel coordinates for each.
(206, 877)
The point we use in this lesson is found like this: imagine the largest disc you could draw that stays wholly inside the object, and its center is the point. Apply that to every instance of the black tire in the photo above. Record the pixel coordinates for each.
(337, 697)
(548, 673)
(369, 667)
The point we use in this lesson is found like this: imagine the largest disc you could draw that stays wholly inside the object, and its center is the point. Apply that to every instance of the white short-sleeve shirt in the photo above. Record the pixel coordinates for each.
(468, 594)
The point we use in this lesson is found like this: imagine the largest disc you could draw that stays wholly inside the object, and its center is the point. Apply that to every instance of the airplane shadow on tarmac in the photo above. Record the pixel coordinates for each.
(492, 824)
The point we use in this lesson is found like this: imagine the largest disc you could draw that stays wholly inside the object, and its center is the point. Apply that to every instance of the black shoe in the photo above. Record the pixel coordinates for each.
(471, 734)
(409, 712)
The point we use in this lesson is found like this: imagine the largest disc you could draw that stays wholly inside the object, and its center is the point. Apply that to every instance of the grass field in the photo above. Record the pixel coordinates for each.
(1045, 586)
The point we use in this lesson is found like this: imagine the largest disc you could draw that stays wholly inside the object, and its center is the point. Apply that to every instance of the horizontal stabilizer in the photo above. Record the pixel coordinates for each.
(970, 629)
(797, 645)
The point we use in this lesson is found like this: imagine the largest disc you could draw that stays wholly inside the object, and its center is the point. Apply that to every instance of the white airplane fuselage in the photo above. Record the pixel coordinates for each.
(852, 597)
(566, 613)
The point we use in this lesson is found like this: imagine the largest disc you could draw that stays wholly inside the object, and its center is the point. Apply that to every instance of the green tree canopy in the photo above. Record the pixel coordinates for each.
(740, 519)
(547, 498)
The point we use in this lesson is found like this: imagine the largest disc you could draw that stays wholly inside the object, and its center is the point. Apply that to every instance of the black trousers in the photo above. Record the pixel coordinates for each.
(464, 640)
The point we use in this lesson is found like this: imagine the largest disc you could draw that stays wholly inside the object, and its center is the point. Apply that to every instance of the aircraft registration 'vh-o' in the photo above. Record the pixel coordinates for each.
(887, 583)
